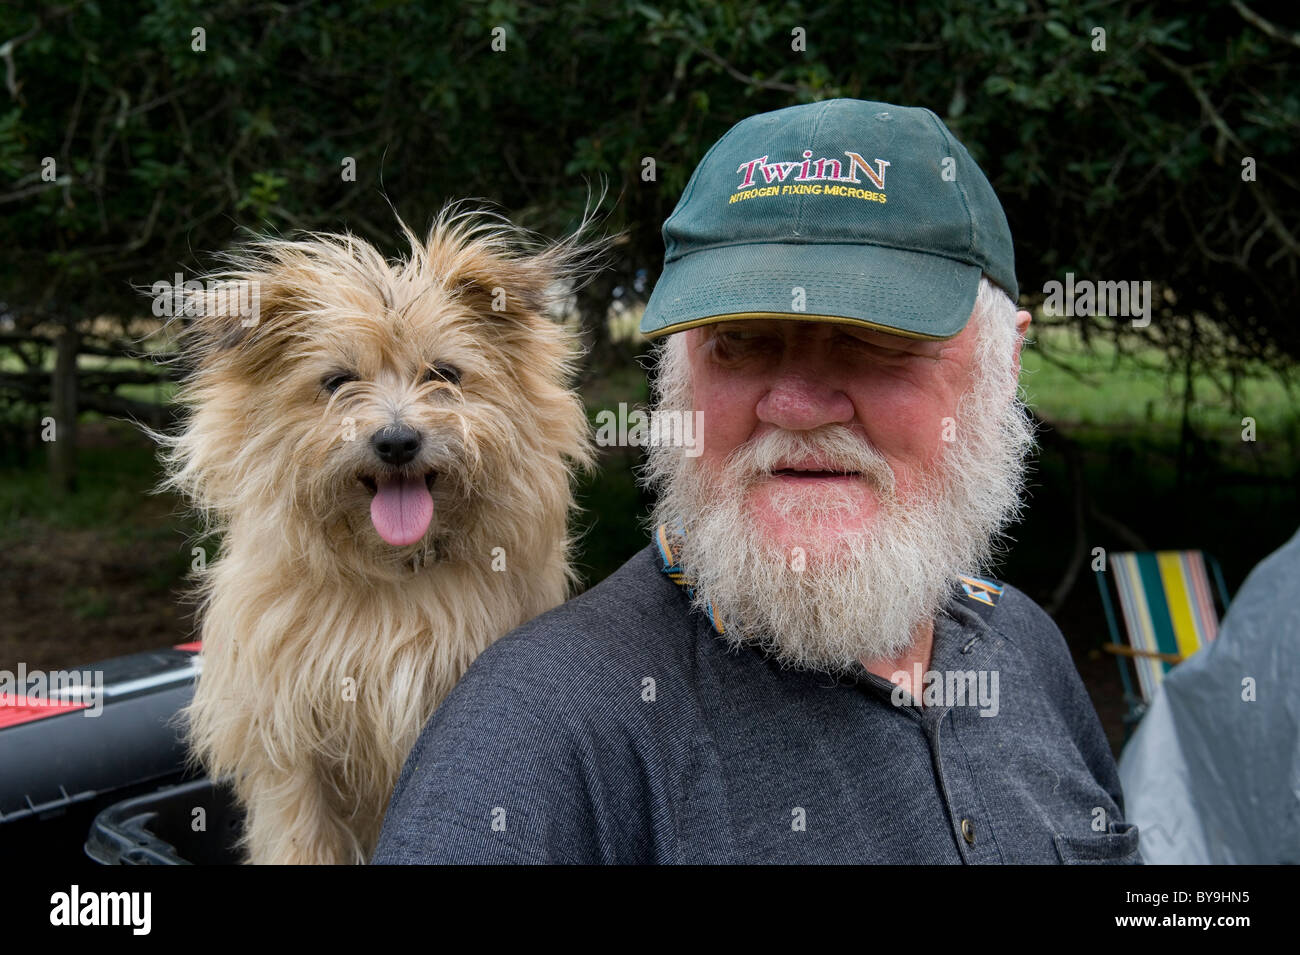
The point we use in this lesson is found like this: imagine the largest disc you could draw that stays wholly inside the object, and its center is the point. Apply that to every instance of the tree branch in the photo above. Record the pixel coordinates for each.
(1259, 23)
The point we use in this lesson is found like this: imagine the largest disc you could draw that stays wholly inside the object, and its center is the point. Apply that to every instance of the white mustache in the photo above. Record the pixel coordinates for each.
(835, 447)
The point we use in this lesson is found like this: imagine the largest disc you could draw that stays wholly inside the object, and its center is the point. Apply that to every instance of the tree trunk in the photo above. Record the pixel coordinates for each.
(63, 409)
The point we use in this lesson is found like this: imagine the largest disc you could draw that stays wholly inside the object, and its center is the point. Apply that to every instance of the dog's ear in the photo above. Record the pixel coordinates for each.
(519, 288)
(227, 314)
(268, 287)
(498, 268)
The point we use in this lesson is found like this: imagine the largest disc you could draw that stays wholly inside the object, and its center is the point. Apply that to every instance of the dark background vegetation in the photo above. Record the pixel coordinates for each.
(1122, 164)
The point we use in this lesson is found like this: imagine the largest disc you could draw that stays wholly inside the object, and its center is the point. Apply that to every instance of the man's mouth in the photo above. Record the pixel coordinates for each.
(805, 474)
(401, 507)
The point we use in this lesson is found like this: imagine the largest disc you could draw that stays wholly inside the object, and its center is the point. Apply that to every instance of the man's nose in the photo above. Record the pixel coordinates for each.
(396, 444)
(802, 398)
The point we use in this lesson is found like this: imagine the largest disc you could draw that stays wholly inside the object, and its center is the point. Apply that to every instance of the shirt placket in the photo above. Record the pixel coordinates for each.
(972, 646)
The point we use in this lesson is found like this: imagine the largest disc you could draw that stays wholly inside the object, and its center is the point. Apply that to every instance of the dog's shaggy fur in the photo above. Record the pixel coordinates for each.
(326, 645)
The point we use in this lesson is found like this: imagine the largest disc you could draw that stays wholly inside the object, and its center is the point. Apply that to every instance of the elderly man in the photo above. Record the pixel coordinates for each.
(809, 661)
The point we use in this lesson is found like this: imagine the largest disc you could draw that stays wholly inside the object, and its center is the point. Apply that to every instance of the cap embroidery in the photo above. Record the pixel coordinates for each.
(811, 170)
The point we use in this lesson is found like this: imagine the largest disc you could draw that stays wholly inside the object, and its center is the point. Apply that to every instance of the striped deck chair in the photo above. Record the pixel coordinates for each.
(1168, 612)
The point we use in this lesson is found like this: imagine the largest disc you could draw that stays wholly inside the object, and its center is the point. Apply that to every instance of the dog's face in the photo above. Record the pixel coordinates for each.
(401, 415)
(392, 412)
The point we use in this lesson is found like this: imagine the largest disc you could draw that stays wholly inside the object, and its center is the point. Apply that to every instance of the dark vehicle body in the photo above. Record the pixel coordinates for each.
(108, 782)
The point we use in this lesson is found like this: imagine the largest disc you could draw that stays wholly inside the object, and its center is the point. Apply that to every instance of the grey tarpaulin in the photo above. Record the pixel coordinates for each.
(1210, 776)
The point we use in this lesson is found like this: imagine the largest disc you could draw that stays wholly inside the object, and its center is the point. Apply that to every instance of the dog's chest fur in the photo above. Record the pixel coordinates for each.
(325, 685)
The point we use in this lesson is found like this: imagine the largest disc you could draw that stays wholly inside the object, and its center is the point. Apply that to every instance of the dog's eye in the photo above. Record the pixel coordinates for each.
(443, 372)
(334, 382)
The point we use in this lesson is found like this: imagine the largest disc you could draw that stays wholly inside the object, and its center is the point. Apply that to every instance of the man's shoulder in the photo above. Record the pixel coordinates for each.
(550, 728)
(1013, 614)
(1032, 633)
(634, 623)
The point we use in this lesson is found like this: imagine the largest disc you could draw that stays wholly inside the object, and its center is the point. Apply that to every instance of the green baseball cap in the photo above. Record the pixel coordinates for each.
(842, 211)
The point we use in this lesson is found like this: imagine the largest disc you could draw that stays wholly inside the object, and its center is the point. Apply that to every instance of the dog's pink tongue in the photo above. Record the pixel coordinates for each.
(401, 510)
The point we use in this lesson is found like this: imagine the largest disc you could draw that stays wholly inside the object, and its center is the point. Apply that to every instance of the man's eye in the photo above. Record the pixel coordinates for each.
(443, 372)
(876, 347)
(337, 380)
(734, 338)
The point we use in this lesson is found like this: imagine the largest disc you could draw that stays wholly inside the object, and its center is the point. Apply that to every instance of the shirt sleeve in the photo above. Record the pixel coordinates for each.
(1061, 678)
(497, 774)
(1086, 727)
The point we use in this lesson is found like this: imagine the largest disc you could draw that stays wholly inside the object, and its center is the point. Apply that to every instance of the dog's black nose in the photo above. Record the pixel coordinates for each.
(397, 444)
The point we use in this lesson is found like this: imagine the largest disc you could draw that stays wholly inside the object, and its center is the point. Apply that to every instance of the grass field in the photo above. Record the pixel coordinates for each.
(1106, 388)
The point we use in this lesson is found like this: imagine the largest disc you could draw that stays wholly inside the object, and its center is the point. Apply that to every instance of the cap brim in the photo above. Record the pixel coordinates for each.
(892, 290)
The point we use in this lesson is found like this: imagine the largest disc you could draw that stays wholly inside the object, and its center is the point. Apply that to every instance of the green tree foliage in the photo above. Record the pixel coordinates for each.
(1122, 163)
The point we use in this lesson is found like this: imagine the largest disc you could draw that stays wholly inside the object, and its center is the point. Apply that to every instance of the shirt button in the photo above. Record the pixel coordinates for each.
(968, 831)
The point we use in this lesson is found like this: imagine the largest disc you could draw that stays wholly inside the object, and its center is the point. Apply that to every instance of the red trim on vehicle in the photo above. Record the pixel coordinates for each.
(192, 647)
(23, 710)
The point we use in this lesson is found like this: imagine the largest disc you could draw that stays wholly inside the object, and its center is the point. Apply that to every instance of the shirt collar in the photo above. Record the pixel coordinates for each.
(669, 539)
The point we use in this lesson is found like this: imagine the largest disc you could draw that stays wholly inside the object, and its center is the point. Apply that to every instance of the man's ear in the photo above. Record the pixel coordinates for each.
(1023, 319)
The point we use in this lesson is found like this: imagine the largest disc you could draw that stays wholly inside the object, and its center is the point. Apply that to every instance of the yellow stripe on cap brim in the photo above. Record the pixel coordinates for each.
(795, 317)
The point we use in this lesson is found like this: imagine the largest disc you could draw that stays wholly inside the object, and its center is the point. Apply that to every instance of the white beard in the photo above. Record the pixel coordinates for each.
(863, 596)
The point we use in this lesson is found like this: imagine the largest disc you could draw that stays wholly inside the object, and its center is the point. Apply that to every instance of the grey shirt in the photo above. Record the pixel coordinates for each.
(619, 728)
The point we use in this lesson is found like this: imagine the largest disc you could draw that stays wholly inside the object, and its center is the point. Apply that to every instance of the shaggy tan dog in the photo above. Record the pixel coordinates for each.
(386, 450)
